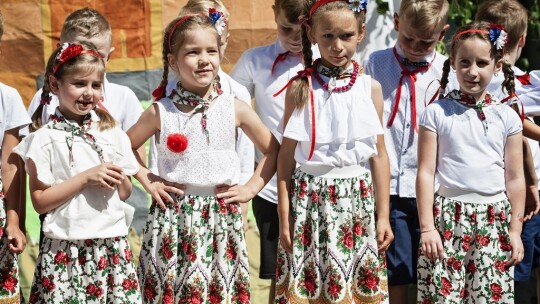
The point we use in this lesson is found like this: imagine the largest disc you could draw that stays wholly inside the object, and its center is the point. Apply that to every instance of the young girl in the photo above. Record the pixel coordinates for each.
(193, 247)
(12, 240)
(78, 165)
(264, 70)
(471, 143)
(330, 244)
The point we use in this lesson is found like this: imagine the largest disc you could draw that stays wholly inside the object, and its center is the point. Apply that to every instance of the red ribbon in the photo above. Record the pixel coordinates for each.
(524, 79)
(412, 77)
(281, 57)
(513, 96)
(307, 73)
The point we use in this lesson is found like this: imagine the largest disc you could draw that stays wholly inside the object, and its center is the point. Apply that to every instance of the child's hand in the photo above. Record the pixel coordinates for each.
(384, 235)
(517, 249)
(235, 193)
(532, 202)
(105, 175)
(286, 234)
(160, 188)
(16, 238)
(431, 245)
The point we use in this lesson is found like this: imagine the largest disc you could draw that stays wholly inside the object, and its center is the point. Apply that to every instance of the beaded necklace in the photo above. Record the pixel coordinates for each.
(334, 74)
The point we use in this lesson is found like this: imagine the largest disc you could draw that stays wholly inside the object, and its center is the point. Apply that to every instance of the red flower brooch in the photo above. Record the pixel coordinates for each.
(177, 142)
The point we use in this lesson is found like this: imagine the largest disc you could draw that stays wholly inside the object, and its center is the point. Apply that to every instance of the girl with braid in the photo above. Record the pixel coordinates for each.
(334, 207)
(193, 248)
(78, 165)
(472, 143)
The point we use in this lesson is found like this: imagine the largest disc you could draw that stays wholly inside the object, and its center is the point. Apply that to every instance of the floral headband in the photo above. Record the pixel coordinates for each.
(218, 19)
(496, 33)
(355, 5)
(70, 51)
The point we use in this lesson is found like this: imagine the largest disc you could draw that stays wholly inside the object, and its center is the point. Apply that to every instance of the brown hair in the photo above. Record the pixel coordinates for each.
(478, 30)
(176, 39)
(86, 22)
(299, 89)
(424, 14)
(292, 9)
(193, 7)
(511, 14)
(82, 63)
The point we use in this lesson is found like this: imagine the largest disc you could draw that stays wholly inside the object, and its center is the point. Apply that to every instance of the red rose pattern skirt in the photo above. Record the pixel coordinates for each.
(335, 258)
(477, 245)
(194, 253)
(85, 271)
(9, 269)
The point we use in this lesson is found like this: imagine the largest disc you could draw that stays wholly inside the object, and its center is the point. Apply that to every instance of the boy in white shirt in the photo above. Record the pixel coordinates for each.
(405, 72)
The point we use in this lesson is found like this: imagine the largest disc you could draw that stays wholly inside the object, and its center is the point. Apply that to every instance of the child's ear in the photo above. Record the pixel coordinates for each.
(443, 31)
(110, 52)
(522, 39)
(362, 33)
(498, 66)
(172, 62)
(53, 84)
(396, 22)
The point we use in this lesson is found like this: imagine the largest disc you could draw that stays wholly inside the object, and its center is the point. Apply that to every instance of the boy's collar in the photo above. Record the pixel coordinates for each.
(428, 58)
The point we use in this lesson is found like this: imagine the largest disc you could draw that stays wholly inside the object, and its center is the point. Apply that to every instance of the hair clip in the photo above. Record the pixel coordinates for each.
(218, 19)
(497, 35)
(70, 51)
(358, 5)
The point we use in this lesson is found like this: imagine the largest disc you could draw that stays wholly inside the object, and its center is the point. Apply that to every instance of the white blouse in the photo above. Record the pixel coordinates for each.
(94, 212)
(12, 111)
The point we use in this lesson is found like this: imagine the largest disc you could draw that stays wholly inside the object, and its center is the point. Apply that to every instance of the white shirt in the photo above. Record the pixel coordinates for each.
(119, 101)
(254, 70)
(12, 111)
(244, 146)
(468, 159)
(401, 139)
(380, 32)
(94, 212)
(346, 126)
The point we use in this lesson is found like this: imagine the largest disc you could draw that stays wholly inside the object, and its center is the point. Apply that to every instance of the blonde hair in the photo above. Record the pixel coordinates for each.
(424, 14)
(511, 14)
(299, 89)
(202, 6)
(85, 22)
(82, 63)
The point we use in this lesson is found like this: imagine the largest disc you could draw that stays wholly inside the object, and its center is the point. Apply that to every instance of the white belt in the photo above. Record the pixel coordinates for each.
(333, 172)
(471, 197)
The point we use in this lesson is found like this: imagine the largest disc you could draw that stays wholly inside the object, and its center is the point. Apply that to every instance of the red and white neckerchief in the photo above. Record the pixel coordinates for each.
(411, 74)
(471, 102)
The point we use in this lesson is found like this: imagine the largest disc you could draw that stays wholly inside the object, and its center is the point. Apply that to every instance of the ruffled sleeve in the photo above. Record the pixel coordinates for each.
(37, 147)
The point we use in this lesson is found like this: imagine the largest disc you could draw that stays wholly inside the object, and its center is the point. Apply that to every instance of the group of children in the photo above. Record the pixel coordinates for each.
(404, 169)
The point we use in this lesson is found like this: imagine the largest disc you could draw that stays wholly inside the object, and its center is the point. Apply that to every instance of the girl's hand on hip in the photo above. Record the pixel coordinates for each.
(160, 190)
(384, 235)
(431, 245)
(235, 193)
(517, 249)
(16, 238)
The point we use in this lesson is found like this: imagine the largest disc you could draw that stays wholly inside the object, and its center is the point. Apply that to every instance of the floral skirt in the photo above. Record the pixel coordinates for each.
(85, 271)
(477, 245)
(335, 258)
(194, 253)
(9, 269)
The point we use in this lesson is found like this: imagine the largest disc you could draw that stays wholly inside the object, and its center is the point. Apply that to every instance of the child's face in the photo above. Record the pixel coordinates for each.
(102, 43)
(417, 44)
(337, 34)
(289, 34)
(197, 60)
(78, 93)
(474, 66)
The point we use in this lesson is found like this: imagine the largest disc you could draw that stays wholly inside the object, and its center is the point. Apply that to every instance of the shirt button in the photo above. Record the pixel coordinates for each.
(402, 173)
(404, 152)
(407, 125)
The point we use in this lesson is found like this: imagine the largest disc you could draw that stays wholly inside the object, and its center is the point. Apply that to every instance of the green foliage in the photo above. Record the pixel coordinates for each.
(382, 7)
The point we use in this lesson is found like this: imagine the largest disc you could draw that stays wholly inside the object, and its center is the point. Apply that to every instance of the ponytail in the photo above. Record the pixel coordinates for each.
(444, 78)
(299, 89)
(106, 121)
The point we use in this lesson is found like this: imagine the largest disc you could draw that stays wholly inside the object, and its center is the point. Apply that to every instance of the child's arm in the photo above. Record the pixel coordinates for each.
(380, 169)
(125, 188)
(11, 177)
(515, 190)
(430, 239)
(146, 126)
(265, 142)
(46, 198)
(532, 201)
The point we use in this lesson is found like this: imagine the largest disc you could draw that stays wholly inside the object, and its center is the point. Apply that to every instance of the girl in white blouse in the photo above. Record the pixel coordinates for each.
(78, 165)
(471, 143)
